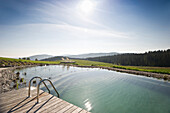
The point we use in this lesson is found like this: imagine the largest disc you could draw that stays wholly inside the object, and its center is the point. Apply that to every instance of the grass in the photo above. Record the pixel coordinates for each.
(92, 63)
(18, 62)
(162, 70)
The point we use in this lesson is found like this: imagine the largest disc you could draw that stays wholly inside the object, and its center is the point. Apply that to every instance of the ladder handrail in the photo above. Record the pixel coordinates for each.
(30, 85)
(38, 88)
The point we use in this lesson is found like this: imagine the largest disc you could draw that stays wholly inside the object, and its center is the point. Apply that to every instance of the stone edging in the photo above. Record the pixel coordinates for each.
(7, 75)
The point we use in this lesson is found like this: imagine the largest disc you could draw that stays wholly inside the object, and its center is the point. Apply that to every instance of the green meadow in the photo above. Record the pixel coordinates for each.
(17, 62)
(8, 62)
(163, 70)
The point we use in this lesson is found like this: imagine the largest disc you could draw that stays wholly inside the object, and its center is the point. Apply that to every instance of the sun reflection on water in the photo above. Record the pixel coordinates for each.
(87, 104)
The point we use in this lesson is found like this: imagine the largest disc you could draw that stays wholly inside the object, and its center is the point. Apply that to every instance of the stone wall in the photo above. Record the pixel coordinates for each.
(6, 77)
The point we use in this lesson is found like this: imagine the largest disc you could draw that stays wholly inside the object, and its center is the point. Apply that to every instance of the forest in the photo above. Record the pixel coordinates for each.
(159, 58)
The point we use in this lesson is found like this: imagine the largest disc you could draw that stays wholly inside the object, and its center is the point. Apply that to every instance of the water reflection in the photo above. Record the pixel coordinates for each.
(87, 105)
(103, 91)
(63, 68)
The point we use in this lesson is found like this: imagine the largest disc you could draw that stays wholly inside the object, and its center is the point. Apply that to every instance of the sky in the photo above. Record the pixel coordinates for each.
(60, 27)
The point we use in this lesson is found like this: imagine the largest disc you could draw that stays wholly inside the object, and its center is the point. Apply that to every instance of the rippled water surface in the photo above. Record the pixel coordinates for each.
(103, 91)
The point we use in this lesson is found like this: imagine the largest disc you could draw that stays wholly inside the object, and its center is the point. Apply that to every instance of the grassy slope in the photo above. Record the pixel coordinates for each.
(163, 70)
(12, 61)
(92, 63)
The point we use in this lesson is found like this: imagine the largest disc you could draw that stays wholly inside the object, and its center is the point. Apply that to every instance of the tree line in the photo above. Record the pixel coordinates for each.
(28, 58)
(152, 58)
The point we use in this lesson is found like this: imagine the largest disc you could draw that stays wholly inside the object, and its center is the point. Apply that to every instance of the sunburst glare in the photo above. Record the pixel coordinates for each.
(86, 6)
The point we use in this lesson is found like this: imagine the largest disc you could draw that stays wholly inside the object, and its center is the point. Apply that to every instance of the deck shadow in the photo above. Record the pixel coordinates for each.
(16, 107)
(40, 106)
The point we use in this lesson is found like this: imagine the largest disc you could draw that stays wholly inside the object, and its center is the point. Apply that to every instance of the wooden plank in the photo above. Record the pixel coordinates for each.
(43, 104)
(77, 110)
(22, 104)
(65, 108)
(83, 111)
(58, 108)
(13, 92)
(71, 109)
(29, 106)
(48, 110)
(16, 101)
(47, 107)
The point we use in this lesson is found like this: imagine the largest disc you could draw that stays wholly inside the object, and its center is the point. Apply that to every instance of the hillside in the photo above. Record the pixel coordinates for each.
(53, 58)
(88, 55)
(40, 57)
(159, 58)
(11, 62)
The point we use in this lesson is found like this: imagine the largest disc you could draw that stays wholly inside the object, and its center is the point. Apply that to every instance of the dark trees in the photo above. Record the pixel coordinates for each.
(152, 58)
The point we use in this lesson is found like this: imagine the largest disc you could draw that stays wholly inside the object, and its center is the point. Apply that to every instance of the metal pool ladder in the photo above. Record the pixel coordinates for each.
(38, 87)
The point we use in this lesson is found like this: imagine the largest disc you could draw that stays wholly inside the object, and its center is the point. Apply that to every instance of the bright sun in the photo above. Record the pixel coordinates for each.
(86, 6)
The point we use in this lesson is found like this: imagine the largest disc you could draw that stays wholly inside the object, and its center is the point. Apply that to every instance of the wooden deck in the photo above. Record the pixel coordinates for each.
(17, 101)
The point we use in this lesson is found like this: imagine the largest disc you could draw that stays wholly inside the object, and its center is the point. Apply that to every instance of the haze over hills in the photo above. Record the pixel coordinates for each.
(53, 58)
(88, 55)
(40, 57)
(80, 56)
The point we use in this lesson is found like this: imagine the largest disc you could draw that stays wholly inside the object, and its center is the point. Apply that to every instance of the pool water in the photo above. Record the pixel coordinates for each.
(103, 91)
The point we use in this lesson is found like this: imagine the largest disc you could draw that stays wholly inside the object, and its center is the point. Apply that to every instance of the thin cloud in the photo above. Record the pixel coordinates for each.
(61, 10)
(93, 32)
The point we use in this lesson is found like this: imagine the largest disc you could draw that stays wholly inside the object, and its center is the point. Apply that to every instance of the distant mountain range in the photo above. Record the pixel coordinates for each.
(53, 58)
(40, 57)
(46, 57)
(89, 55)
